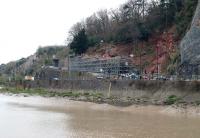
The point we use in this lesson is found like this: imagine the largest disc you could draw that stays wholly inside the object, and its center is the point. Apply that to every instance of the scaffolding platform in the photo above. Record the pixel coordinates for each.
(112, 66)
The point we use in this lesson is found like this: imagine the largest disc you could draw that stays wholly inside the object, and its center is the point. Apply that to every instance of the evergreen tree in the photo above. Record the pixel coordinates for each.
(79, 43)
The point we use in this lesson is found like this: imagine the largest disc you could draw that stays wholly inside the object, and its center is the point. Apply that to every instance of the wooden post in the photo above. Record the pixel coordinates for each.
(109, 89)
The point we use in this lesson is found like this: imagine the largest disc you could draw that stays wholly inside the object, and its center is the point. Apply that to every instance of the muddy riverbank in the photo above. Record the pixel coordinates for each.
(126, 92)
(170, 105)
(40, 117)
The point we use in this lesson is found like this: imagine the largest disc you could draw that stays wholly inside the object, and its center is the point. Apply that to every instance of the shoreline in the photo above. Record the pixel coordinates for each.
(169, 110)
(97, 97)
(84, 96)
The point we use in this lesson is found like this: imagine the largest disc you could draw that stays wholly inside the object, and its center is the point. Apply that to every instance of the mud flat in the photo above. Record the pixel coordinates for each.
(59, 117)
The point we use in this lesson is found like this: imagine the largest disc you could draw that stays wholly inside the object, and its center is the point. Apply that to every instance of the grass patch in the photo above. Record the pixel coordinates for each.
(48, 93)
(172, 99)
(96, 95)
(86, 93)
(197, 103)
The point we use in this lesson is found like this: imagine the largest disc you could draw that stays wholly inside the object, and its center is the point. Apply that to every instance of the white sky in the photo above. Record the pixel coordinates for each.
(27, 24)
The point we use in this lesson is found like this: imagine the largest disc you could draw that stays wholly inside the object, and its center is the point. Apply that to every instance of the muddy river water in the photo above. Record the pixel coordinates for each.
(36, 117)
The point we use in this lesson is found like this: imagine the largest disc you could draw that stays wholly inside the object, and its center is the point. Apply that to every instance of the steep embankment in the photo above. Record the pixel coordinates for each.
(153, 37)
(33, 63)
(157, 50)
(122, 92)
(190, 45)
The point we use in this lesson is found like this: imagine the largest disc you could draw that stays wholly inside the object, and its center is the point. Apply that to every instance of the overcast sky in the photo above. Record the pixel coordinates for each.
(27, 24)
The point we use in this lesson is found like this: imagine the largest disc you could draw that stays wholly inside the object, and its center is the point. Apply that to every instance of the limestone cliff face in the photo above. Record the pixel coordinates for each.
(190, 45)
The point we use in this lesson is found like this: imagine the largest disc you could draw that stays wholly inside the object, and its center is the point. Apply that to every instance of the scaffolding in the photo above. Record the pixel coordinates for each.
(113, 66)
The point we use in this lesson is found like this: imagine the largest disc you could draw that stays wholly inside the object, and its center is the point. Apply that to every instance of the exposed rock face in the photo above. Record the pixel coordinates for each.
(190, 45)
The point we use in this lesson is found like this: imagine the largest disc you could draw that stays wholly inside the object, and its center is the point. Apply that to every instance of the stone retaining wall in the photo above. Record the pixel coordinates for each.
(156, 90)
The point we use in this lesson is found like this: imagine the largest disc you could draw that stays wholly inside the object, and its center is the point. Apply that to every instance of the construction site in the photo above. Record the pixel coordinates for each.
(109, 67)
(146, 60)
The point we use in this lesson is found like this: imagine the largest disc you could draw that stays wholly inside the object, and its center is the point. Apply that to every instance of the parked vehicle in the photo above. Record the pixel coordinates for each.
(160, 77)
(134, 76)
(145, 77)
(99, 77)
(56, 78)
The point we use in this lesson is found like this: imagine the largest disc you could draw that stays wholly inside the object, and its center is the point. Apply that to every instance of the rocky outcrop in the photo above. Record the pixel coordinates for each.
(190, 45)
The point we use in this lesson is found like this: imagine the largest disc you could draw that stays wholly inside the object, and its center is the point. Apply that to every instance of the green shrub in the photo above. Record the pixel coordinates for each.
(172, 99)
(86, 93)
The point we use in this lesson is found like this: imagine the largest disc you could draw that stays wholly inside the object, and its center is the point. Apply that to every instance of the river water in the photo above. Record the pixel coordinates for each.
(36, 117)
